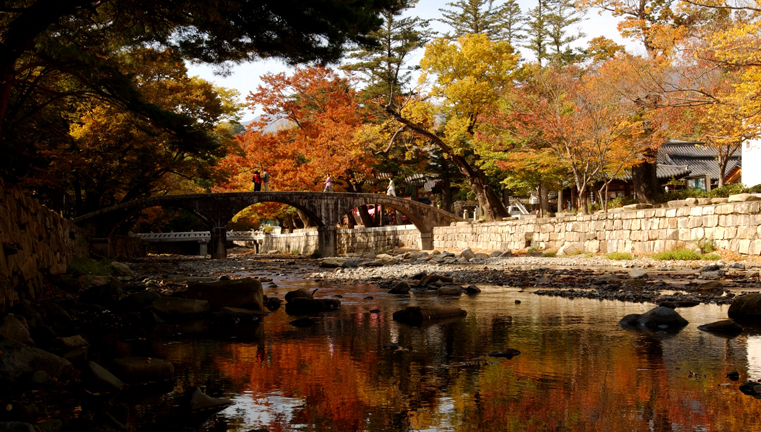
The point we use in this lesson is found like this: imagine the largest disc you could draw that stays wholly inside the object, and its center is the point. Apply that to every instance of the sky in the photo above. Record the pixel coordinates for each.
(245, 77)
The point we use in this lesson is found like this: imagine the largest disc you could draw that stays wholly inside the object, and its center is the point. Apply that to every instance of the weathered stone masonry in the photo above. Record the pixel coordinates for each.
(732, 226)
(35, 242)
(358, 240)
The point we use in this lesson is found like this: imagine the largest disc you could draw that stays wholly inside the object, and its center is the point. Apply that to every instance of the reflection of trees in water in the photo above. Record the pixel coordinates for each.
(573, 373)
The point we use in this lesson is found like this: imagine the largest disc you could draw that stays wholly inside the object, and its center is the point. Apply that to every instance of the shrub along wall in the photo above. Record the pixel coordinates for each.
(730, 225)
(36, 242)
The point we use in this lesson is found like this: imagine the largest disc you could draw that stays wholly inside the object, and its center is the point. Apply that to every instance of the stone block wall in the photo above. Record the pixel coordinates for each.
(358, 240)
(733, 226)
(303, 241)
(35, 242)
(362, 240)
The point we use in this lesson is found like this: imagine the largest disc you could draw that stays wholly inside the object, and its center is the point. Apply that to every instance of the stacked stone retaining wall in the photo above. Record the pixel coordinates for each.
(357, 240)
(36, 242)
(732, 225)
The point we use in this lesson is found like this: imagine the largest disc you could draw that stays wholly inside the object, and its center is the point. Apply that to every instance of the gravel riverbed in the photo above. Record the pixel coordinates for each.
(640, 280)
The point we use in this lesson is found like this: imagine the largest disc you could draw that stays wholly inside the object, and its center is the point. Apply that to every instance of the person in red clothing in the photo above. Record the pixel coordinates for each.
(257, 182)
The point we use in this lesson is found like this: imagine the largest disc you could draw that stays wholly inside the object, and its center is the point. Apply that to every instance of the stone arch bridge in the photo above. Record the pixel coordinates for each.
(326, 210)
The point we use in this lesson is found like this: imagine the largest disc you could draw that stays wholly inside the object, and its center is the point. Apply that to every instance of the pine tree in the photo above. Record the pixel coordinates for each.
(473, 17)
(512, 22)
(537, 31)
(383, 65)
(564, 14)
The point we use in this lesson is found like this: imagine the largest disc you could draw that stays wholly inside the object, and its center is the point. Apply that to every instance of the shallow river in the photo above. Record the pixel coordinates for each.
(578, 369)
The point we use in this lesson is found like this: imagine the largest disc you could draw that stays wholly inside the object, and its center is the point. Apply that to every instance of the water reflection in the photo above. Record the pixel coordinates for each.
(578, 369)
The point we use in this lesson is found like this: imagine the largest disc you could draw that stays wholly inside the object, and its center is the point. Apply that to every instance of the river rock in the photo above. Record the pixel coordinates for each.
(58, 320)
(299, 293)
(200, 401)
(243, 293)
(142, 369)
(305, 306)
(637, 274)
(472, 289)
(710, 268)
(429, 279)
(751, 388)
(173, 306)
(724, 327)
(139, 300)
(16, 426)
(71, 342)
(495, 254)
(273, 303)
(467, 254)
(400, 288)
(710, 286)
(16, 328)
(416, 315)
(506, 254)
(17, 359)
(121, 269)
(97, 379)
(662, 318)
(746, 307)
(385, 257)
(332, 262)
(449, 290)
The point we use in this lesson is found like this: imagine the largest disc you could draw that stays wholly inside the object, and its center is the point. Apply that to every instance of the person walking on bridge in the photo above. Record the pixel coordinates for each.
(328, 184)
(257, 182)
(391, 191)
(265, 180)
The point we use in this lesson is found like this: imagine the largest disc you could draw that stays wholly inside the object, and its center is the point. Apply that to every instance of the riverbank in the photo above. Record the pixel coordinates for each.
(643, 279)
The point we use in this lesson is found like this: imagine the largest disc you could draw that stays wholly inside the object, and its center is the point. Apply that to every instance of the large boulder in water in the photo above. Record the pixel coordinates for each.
(746, 307)
(17, 359)
(306, 306)
(724, 328)
(241, 293)
(299, 293)
(659, 318)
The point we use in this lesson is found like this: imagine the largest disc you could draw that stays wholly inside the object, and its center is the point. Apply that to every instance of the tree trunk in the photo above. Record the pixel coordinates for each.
(350, 222)
(645, 179)
(364, 214)
(583, 201)
(560, 200)
(305, 219)
(544, 199)
(488, 199)
(446, 195)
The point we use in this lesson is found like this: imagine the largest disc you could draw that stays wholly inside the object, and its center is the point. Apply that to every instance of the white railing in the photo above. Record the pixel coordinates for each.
(201, 236)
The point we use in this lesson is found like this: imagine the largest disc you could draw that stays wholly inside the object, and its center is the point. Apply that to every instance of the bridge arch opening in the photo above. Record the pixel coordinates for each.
(383, 214)
(287, 215)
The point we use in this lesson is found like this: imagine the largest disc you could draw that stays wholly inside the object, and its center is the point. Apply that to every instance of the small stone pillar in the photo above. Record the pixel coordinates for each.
(219, 243)
(465, 214)
(426, 240)
(326, 241)
(708, 182)
(204, 248)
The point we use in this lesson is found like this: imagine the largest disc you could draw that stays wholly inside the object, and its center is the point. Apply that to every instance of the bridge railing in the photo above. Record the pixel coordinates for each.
(201, 236)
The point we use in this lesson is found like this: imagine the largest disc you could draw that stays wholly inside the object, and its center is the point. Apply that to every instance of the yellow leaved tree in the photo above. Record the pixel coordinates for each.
(469, 74)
